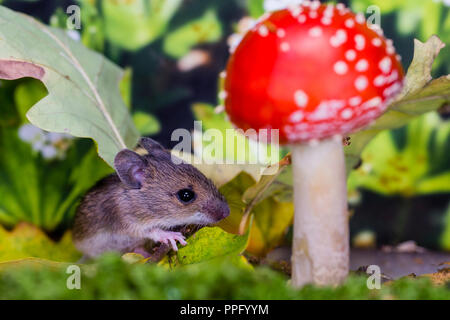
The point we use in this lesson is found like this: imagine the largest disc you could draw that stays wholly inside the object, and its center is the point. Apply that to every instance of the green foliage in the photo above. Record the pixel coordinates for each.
(228, 141)
(410, 161)
(418, 18)
(83, 96)
(146, 123)
(134, 24)
(27, 241)
(202, 30)
(112, 278)
(36, 189)
(210, 243)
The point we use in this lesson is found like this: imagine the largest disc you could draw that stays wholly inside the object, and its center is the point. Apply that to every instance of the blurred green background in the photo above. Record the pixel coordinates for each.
(173, 51)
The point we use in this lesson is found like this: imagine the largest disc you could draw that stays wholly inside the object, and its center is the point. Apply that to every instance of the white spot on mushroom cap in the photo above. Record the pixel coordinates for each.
(349, 23)
(340, 6)
(350, 55)
(297, 116)
(281, 33)
(376, 42)
(285, 47)
(315, 5)
(302, 18)
(300, 98)
(295, 10)
(372, 103)
(340, 67)
(326, 21)
(360, 18)
(393, 89)
(326, 109)
(379, 81)
(354, 101)
(315, 32)
(362, 65)
(360, 42)
(347, 113)
(339, 38)
(313, 14)
(361, 83)
(223, 74)
(385, 64)
(263, 31)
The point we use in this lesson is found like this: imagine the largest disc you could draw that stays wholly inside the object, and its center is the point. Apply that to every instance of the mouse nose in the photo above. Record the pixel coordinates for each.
(218, 210)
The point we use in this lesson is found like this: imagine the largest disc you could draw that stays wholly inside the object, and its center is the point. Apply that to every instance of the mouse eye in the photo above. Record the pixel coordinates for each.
(186, 195)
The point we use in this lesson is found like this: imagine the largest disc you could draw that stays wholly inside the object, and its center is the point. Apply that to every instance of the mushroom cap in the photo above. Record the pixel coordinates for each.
(312, 71)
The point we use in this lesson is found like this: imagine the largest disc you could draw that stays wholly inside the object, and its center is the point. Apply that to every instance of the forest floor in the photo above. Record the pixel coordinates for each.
(393, 263)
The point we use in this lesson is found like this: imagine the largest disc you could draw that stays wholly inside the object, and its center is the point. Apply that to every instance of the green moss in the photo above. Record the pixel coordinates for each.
(115, 279)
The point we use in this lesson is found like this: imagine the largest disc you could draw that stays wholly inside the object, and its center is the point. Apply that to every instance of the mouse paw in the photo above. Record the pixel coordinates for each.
(168, 237)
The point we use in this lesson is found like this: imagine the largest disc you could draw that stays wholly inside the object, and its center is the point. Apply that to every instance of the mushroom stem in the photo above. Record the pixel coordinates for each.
(320, 252)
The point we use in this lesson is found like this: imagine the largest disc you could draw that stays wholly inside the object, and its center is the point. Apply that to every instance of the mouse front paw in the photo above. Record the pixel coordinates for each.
(168, 237)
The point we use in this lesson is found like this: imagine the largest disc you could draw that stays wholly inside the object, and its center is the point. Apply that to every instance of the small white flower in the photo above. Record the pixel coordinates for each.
(49, 152)
(30, 133)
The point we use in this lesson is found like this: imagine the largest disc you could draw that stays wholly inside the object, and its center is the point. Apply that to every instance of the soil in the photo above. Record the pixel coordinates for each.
(393, 265)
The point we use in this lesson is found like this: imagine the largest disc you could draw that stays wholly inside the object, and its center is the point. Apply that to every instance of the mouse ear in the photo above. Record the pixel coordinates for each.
(150, 145)
(130, 168)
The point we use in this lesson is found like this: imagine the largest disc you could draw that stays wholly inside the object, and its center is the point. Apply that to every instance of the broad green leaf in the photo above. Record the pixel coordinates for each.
(419, 166)
(276, 184)
(255, 8)
(134, 24)
(84, 98)
(26, 241)
(209, 243)
(270, 223)
(146, 123)
(233, 192)
(385, 6)
(125, 87)
(270, 217)
(203, 30)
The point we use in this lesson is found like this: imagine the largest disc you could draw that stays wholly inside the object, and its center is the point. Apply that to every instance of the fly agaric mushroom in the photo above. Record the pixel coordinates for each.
(317, 73)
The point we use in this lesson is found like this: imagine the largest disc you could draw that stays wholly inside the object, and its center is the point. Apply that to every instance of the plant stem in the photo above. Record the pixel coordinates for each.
(320, 251)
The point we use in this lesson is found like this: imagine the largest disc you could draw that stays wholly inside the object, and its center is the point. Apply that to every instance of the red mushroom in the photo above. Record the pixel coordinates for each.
(317, 73)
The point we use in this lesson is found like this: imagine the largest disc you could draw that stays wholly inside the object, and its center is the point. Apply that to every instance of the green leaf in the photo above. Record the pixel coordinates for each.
(84, 98)
(146, 123)
(203, 30)
(419, 166)
(255, 8)
(270, 216)
(134, 24)
(26, 241)
(210, 243)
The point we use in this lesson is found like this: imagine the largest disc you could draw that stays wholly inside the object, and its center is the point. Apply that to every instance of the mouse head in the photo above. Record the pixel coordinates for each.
(173, 194)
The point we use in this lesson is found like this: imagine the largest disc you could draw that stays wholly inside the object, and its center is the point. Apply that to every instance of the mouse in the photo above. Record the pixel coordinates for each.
(147, 198)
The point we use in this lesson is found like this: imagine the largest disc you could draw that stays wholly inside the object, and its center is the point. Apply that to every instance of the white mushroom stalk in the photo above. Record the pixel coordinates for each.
(320, 252)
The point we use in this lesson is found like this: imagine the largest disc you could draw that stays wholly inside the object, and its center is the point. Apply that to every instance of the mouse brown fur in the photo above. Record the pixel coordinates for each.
(144, 201)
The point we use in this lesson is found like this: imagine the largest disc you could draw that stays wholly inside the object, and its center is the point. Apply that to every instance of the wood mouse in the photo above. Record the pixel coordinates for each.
(147, 197)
